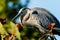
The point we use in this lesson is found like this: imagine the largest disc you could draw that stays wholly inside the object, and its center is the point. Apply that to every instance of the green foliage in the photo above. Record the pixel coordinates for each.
(12, 29)
(30, 33)
(9, 28)
(4, 33)
(9, 8)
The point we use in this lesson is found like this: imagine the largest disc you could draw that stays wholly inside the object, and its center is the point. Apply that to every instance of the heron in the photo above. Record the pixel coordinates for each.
(39, 18)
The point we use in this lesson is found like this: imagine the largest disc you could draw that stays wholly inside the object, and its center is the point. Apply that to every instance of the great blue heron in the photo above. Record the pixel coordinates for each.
(39, 18)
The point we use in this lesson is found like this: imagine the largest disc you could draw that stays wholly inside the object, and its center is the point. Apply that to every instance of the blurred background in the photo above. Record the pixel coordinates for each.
(9, 8)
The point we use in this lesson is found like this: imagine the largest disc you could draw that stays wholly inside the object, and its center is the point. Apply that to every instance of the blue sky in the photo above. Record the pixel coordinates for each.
(52, 5)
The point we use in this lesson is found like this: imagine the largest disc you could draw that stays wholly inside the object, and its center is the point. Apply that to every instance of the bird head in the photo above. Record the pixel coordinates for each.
(22, 12)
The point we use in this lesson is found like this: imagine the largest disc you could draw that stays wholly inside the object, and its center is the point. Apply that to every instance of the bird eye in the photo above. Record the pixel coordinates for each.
(35, 12)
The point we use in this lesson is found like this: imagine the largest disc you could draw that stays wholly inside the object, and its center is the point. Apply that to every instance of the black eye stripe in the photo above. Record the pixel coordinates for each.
(25, 9)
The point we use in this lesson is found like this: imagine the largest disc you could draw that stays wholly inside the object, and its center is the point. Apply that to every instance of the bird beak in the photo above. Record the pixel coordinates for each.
(19, 13)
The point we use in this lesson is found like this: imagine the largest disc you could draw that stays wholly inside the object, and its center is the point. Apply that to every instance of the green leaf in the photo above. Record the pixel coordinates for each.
(2, 30)
(12, 29)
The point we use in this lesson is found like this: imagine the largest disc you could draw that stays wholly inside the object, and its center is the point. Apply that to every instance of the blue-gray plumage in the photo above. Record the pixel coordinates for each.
(45, 17)
(39, 18)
